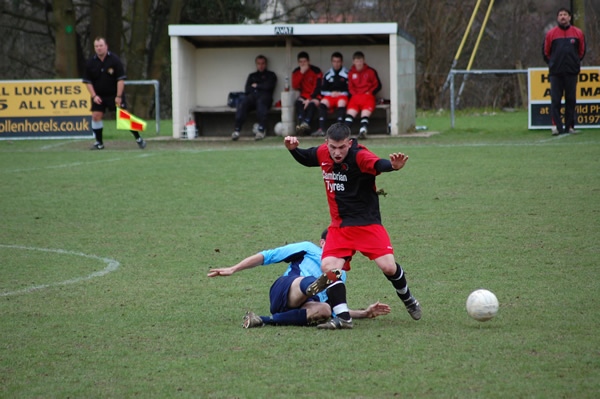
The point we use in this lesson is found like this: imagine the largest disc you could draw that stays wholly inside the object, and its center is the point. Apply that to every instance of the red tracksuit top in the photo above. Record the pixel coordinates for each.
(365, 81)
(563, 50)
(309, 82)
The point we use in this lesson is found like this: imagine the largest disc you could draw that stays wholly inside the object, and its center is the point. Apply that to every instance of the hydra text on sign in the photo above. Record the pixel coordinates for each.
(588, 84)
(587, 110)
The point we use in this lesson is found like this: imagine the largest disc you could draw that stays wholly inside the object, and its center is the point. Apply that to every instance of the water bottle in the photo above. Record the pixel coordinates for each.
(286, 87)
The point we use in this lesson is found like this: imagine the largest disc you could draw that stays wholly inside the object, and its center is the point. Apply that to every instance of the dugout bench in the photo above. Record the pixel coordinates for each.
(219, 120)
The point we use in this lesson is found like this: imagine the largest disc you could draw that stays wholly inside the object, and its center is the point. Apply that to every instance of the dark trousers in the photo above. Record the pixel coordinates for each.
(559, 85)
(250, 103)
(305, 115)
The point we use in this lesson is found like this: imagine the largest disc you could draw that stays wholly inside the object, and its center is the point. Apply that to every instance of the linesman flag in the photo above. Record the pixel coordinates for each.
(127, 121)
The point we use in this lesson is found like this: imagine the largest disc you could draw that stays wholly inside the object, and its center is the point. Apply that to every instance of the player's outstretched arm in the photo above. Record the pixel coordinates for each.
(372, 311)
(249, 262)
(398, 160)
(304, 156)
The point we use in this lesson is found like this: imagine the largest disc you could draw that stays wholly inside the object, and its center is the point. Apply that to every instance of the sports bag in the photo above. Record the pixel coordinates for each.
(234, 98)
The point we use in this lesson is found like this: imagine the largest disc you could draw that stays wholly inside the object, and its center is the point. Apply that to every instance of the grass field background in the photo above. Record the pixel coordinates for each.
(104, 255)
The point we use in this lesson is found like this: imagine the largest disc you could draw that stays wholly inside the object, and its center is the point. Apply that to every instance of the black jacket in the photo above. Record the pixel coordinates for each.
(265, 81)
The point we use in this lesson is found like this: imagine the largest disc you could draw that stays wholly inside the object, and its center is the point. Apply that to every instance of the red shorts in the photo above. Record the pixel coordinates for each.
(372, 241)
(359, 102)
(334, 101)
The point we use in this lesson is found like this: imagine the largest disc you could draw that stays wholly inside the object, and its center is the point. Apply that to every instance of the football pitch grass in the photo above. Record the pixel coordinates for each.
(104, 255)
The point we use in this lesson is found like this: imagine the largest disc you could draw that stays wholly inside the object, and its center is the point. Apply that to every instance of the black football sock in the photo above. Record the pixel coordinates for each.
(341, 114)
(399, 282)
(348, 120)
(322, 116)
(135, 134)
(364, 122)
(309, 112)
(98, 135)
(337, 300)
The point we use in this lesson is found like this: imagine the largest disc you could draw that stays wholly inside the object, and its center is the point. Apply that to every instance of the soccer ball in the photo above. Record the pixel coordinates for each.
(279, 129)
(482, 305)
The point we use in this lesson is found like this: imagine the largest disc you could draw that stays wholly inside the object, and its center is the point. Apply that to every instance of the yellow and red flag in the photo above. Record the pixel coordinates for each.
(128, 121)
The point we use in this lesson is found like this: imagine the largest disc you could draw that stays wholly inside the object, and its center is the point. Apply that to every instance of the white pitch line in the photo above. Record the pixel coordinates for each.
(49, 146)
(376, 143)
(72, 164)
(550, 141)
(554, 138)
(111, 266)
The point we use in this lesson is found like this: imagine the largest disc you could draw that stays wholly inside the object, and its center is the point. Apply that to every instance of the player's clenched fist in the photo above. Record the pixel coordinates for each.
(291, 142)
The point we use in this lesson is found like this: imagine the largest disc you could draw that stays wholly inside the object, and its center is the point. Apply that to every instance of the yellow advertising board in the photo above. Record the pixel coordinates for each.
(587, 110)
(44, 109)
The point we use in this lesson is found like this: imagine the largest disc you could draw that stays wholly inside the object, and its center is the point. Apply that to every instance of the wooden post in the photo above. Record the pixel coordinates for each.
(522, 85)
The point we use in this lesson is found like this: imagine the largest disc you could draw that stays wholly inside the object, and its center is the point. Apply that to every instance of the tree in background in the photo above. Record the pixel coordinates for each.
(63, 26)
(34, 32)
(137, 30)
(103, 18)
(219, 11)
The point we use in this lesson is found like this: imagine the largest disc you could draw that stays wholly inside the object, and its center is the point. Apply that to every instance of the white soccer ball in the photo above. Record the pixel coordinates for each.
(279, 129)
(482, 305)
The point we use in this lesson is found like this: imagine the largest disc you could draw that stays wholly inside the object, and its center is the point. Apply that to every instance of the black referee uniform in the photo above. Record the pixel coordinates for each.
(103, 75)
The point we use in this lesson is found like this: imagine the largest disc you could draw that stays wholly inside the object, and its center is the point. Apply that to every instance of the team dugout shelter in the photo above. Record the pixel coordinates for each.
(210, 61)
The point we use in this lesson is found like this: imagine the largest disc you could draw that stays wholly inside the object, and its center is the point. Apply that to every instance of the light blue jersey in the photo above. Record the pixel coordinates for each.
(304, 259)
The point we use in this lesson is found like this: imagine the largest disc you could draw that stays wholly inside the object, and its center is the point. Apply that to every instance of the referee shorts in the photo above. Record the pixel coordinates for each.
(108, 102)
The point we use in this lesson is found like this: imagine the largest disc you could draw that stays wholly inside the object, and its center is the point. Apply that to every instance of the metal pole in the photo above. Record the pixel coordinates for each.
(488, 71)
(465, 72)
(479, 36)
(464, 39)
(452, 99)
(156, 85)
(485, 19)
(462, 43)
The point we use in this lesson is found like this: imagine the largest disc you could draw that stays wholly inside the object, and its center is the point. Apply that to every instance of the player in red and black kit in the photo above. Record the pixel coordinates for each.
(104, 76)
(349, 170)
(306, 78)
(334, 92)
(363, 84)
(564, 48)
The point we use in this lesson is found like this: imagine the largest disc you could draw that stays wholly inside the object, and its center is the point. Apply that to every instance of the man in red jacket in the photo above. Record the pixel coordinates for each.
(564, 48)
(306, 78)
(363, 84)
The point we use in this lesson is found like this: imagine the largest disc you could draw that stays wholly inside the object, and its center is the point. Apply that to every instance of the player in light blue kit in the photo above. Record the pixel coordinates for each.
(297, 297)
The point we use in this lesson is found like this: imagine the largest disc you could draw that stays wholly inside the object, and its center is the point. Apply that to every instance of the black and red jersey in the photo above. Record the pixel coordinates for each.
(564, 48)
(350, 186)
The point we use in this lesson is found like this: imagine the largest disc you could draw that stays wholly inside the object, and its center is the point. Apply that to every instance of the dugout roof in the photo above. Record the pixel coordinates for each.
(302, 35)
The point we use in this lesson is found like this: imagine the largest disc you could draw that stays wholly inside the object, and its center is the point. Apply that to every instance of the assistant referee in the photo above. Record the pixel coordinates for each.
(104, 77)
